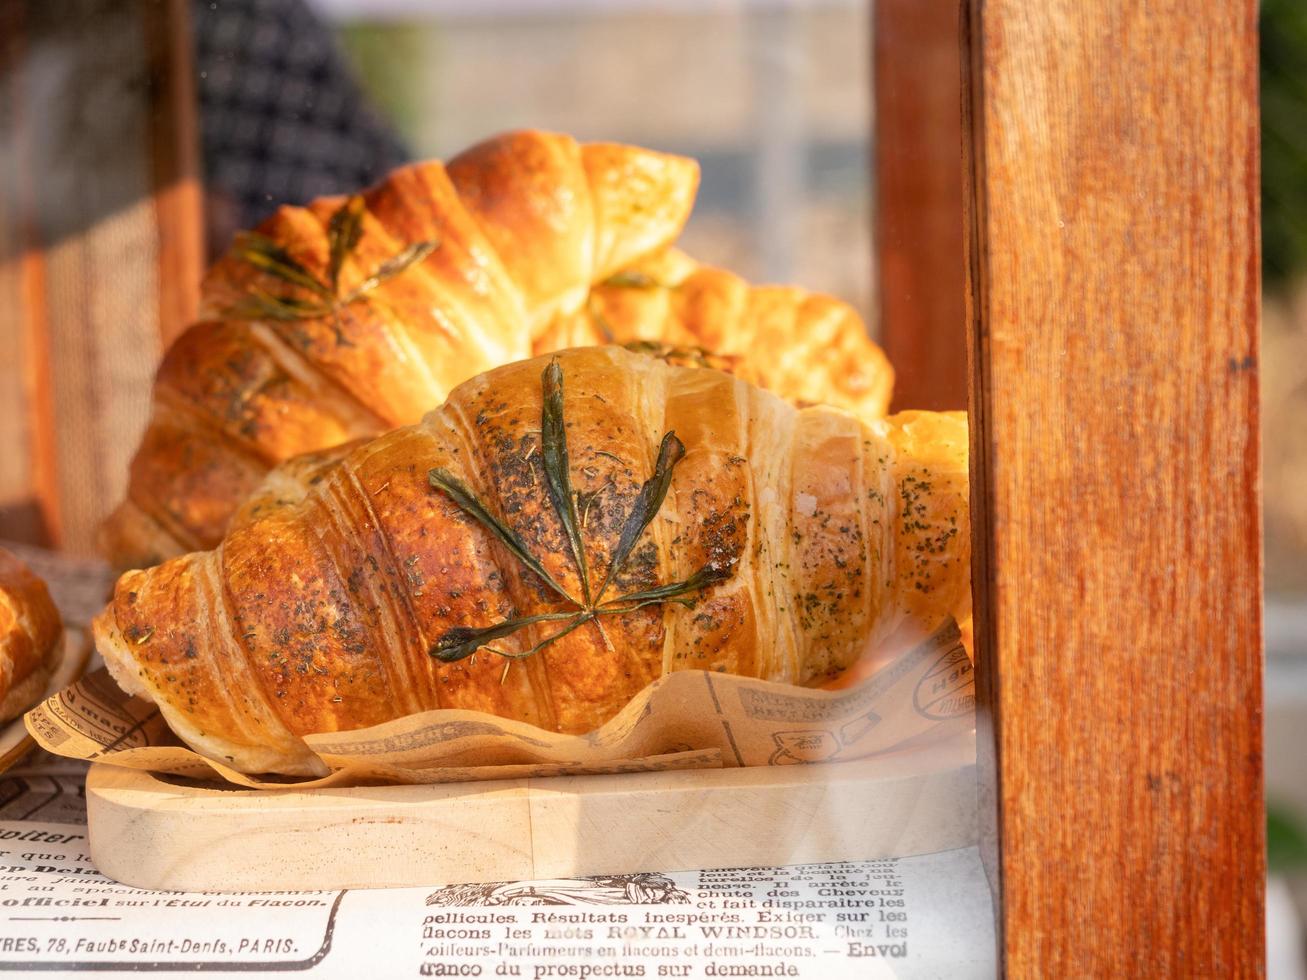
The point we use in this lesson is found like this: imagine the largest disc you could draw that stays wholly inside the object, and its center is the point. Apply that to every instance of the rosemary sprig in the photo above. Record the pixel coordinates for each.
(632, 279)
(344, 230)
(558, 476)
(392, 267)
(263, 253)
(463, 641)
(672, 592)
(576, 622)
(647, 504)
(606, 333)
(627, 279)
(264, 306)
(468, 503)
(687, 355)
(343, 233)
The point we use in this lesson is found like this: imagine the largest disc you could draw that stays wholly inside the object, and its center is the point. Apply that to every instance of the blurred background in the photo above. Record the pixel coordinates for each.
(249, 104)
(773, 99)
(283, 100)
(1284, 430)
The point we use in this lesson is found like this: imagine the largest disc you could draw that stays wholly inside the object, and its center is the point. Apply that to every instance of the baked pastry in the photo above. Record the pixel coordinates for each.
(806, 347)
(350, 316)
(30, 634)
(718, 527)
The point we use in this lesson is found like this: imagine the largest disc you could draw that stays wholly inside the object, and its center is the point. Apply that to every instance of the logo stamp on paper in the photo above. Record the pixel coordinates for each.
(771, 705)
(947, 689)
(795, 748)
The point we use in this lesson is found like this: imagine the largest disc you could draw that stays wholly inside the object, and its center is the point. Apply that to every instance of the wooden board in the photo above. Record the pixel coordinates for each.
(1114, 293)
(153, 833)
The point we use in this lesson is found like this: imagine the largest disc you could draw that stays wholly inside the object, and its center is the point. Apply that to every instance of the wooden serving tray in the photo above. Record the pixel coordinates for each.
(151, 833)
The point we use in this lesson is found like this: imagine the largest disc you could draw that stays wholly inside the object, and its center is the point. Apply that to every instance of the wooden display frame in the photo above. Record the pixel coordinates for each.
(1112, 259)
(1111, 196)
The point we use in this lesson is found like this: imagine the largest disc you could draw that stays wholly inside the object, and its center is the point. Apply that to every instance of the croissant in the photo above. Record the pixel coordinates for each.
(560, 533)
(804, 346)
(30, 631)
(348, 317)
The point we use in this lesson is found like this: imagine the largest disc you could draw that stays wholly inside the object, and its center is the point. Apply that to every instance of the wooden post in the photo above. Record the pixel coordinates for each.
(1113, 295)
(918, 174)
(101, 241)
(175, 143)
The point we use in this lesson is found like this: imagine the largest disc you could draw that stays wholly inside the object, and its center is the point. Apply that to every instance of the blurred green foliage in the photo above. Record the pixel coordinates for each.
(384, 55)
(1286, 840)
(1284, 139)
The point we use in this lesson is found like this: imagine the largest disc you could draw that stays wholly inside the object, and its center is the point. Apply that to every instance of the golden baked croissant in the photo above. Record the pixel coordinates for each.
(348, 317)
(719, 528)
(804, 346)
(30, 631)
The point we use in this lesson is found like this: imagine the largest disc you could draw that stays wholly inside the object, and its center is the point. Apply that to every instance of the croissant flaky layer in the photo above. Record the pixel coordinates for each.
(806, 347)
(30, 630)
(816, 537)
(345, 318)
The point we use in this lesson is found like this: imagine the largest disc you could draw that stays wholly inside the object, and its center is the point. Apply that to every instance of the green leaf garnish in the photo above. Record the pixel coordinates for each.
(558, 476)
(467, 502)
(682, 355)
(578, 620)
(462, 641)
(264, 306)
(632, 279)
(344, 230)
(606, 333)
(392, 267)
(672, 592)
(343, 233)
(646, 506)
(265, 254)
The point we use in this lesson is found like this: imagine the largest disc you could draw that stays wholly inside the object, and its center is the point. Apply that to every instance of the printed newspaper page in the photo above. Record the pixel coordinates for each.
(915, 917)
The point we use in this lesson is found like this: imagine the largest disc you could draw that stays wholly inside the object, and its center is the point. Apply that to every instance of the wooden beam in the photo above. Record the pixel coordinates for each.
(100, 248)
(918, 213)
(29, 481)
(1114, 286)
(175, 139)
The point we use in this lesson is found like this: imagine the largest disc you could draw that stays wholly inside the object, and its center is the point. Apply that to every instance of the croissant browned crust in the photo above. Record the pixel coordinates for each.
(347, 317)
(358, 586)
(30, 631)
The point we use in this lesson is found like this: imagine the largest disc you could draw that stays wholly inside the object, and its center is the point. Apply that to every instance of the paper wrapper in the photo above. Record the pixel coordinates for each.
(687, 719)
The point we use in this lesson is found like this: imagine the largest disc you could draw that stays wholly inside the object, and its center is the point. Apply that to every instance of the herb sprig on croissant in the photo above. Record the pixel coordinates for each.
(347, 317)
(339, 584)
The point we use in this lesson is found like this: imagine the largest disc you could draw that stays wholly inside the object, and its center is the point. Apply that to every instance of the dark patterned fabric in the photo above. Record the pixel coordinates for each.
(282, 118)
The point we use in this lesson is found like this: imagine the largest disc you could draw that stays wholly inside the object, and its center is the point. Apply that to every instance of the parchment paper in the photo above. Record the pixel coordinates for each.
(688, 719)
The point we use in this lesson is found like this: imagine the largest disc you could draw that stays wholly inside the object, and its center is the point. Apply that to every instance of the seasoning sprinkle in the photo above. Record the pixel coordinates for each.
(461, 642)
